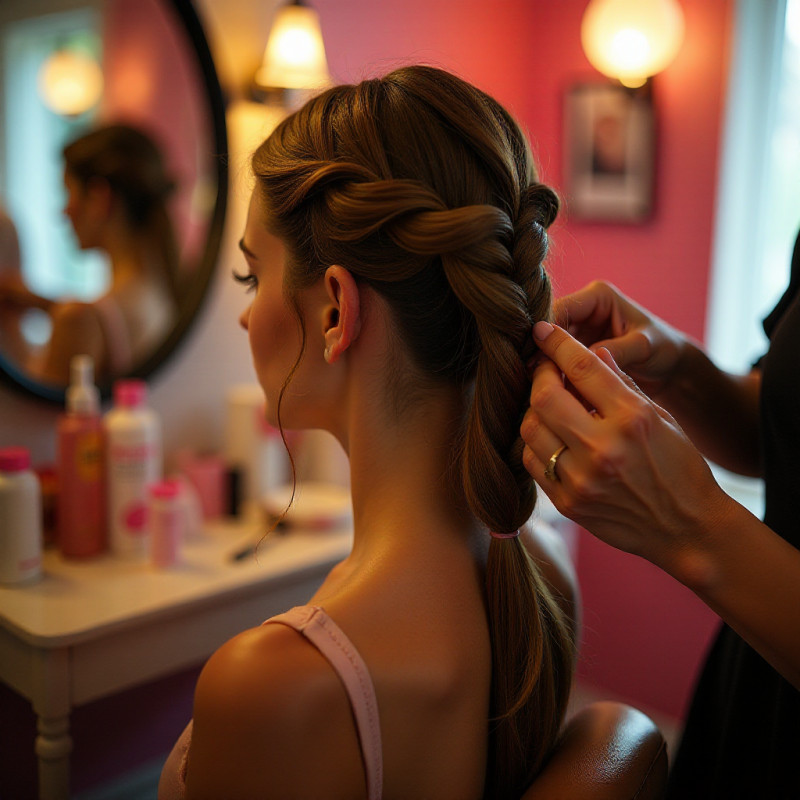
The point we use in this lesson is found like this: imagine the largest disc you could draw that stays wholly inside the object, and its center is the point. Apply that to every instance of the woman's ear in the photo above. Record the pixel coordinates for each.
(341, 318)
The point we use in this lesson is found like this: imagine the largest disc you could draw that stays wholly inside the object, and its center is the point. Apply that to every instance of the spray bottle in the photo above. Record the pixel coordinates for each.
(81, 514)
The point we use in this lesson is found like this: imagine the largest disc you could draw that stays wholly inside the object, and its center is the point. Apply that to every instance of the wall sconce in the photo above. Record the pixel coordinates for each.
(295, 54)
(631, 40)
(70, 82)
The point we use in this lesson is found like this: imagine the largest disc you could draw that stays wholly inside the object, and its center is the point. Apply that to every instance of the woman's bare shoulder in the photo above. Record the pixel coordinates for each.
(76, 329)
(266, 706)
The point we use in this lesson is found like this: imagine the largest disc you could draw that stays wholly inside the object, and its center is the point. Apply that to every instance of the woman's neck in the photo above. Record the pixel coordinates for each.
(402, 433)
(405, 476)
(130, 252)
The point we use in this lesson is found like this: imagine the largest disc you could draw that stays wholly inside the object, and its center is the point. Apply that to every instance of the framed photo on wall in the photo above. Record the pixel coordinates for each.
(609, 151)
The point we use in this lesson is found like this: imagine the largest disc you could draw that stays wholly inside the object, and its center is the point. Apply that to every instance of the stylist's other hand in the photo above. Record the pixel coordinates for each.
(629, 474)
(644, 346)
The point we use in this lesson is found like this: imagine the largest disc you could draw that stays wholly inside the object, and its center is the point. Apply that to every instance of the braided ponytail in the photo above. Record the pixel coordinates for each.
(424, 188)
(531, 642)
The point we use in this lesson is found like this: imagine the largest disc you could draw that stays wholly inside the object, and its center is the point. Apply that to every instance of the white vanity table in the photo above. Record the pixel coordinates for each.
(91, 629)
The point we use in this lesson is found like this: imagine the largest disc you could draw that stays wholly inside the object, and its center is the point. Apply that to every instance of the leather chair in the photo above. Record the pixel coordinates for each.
(607, 751)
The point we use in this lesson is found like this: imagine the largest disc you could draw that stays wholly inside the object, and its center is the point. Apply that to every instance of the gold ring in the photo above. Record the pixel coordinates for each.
(550, 469)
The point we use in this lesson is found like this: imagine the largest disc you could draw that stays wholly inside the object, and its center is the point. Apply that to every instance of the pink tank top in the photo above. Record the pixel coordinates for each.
(313, 623)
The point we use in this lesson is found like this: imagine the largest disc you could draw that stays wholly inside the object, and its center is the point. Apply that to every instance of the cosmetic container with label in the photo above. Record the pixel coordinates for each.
(167, 521)
(81, 511)
(20, 518)
(134, 463)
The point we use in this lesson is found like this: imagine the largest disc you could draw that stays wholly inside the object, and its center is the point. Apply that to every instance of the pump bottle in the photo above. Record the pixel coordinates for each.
(81, 514)
(134, 463)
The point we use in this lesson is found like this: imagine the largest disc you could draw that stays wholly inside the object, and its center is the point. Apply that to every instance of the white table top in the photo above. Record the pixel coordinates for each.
(76, 601)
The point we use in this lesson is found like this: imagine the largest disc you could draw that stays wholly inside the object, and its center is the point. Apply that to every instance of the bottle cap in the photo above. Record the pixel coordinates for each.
(14, 459)
(166, 489)
(82, 395)
(130, 393)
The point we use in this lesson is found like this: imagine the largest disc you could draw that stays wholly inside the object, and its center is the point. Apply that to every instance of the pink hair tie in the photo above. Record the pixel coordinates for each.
(496, 535)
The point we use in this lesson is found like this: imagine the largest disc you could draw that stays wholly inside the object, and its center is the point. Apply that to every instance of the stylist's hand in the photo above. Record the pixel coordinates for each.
(644, 346)
(628, 474)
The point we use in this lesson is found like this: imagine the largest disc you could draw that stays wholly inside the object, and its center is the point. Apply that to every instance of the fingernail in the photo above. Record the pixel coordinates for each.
(541, 330)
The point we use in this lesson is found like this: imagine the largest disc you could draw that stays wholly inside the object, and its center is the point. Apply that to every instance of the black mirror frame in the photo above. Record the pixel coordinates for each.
(12, 376)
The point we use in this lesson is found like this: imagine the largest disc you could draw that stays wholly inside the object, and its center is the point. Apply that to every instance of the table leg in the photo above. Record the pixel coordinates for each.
(53, 746)
(52, 706)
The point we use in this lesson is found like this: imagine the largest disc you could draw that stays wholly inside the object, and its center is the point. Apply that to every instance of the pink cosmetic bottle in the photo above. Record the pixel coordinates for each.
(167, 522)
(81, 515)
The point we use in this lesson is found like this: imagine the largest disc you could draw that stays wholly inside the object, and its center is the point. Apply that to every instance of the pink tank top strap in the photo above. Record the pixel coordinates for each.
(313, 623)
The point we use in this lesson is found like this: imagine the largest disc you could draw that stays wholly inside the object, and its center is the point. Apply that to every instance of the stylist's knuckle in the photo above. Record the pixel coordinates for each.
(530, 425)
(582, 365)
(528, 459)
(606, 462)
(636, 421)
(584, 490)
(543, 398)
(601, 287)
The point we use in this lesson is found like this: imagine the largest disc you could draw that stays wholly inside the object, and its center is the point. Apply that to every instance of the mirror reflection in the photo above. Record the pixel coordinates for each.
(111, 218)
(117, 190)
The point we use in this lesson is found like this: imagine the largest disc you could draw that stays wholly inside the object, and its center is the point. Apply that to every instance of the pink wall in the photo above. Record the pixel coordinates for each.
(153, 80)
(644, 634)
(526, 53)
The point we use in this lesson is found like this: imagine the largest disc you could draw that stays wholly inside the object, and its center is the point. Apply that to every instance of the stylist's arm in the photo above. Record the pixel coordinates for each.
(630, 476)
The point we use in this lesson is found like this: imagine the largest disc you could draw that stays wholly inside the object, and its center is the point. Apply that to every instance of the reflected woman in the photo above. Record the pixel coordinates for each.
(117, 192)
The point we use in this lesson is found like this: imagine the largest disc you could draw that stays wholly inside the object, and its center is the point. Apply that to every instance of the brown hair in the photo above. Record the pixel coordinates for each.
(424, 188)
(132, 164)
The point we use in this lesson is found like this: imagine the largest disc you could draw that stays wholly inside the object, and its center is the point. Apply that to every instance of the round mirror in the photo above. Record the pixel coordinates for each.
(110, 216)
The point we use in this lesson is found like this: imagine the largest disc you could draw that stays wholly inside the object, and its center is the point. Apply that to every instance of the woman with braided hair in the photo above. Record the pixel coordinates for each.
(394, 248)
(117, 188)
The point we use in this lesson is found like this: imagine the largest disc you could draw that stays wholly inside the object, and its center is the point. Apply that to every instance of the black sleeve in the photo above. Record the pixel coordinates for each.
(794, 285)
(771, 320)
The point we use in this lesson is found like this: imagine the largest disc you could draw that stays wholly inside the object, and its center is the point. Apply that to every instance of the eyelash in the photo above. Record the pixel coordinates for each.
(249, 280)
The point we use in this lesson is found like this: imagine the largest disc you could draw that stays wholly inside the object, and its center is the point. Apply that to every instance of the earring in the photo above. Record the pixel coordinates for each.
(327, 354)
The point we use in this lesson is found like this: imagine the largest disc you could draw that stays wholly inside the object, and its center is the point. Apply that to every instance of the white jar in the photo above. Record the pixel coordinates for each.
(134, 463)
(20, 518)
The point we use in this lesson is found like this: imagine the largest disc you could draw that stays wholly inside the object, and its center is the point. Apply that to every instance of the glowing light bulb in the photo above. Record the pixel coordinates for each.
(70, 82)
(630, 40)
(295, 54)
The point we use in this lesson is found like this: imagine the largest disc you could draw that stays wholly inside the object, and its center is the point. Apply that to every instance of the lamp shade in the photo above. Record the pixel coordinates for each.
(295, 54)
(70, 82)
(632, 39)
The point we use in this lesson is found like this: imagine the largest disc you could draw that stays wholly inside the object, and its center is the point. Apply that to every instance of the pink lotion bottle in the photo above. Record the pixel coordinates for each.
(81, 515)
